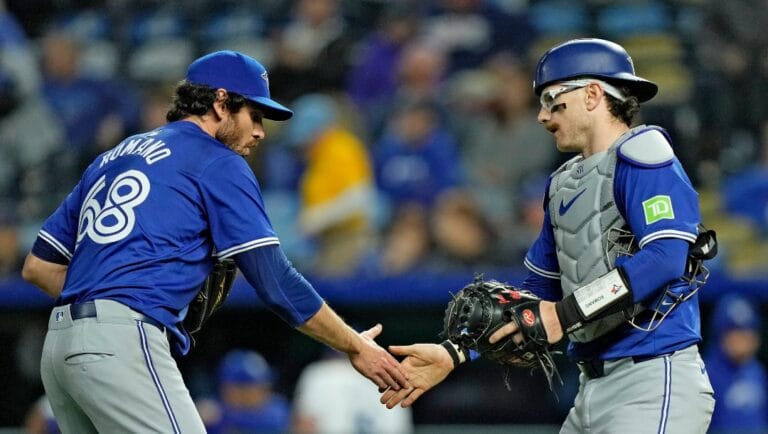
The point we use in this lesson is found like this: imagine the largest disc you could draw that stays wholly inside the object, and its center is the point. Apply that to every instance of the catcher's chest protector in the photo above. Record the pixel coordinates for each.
(583, 214)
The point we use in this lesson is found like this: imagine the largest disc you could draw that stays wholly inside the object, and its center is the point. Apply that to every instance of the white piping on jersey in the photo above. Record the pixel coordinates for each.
(541, 271)
(56, 244)
(669, 233)
(240, 248)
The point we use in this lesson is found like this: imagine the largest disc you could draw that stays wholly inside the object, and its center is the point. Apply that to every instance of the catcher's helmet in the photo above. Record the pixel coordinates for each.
(597, 58)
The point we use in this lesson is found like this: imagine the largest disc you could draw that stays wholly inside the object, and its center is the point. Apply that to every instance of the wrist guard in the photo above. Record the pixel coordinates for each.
(603, 296)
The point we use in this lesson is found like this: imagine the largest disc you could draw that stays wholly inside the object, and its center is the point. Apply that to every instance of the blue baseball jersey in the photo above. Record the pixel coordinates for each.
(658, 203)
(147, 217)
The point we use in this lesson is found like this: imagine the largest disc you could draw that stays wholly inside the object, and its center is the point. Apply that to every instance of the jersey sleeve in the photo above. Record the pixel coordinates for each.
(235, 208)
(60, 229)
(657, 202)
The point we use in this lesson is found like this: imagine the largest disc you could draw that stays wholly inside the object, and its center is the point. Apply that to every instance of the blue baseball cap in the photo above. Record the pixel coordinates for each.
(735, 313)
(245, 367)
(240, 74)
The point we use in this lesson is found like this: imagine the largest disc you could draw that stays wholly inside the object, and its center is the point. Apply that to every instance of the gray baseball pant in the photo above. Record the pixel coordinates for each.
(667, 394)
(114, 374)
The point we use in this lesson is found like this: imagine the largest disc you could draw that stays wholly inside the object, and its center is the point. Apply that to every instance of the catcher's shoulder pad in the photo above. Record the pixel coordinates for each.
(648, 147)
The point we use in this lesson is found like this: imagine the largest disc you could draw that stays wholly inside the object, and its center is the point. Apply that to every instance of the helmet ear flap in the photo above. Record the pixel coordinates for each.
(591, 57)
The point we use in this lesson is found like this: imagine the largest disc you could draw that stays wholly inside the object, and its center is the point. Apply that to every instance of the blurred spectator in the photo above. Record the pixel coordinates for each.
(246, 402)
(529, 216)
(502, 140)
(417, 158)
(732, 65)
(332, 398)
(746, 193)
(17, 58)
(39, 418)
(420, 74)
(469, 31)
(31, 180)
(96, 112)
(463, 236)
(373, 77)
(154, 106)
(405, 246)
(739, 379)
(10, 249)
(336, 189)
(312, 50)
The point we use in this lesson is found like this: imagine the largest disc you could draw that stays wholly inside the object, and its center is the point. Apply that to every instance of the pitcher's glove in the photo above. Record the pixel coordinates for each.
(482, 307)
(211, 296)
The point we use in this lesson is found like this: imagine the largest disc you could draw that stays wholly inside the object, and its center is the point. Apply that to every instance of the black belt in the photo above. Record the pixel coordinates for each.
(88, 310)
(596, 368)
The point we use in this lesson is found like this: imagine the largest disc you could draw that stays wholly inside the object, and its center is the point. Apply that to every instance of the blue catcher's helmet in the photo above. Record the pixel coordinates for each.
(596, 58)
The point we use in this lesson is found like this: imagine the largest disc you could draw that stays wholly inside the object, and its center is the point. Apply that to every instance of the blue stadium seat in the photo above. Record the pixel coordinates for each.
(161, 49)
(231, 24)
(237, 29)
(560, 17)
(93, 29)
(622, 20)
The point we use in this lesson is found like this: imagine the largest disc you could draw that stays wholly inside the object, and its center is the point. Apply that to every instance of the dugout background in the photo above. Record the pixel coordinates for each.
(473, 395)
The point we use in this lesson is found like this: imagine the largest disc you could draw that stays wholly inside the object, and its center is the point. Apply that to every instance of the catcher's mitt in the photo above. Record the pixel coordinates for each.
(482, 307)
(211, 296)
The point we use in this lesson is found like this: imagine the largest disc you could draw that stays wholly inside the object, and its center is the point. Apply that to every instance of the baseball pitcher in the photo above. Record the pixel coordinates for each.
(126, 253)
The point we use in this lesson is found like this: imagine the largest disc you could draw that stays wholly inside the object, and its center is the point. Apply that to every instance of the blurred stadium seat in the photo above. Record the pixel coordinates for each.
(560, 17)
(160, 47)
(239, 29)
(647, 30)
(93, 30)
(626, 19)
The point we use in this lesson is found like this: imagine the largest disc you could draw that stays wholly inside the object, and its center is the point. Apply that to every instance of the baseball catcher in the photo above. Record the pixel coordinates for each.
(212, 294)
(481, 308)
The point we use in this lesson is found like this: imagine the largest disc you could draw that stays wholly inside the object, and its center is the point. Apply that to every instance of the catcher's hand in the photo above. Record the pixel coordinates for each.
(512, 316)
(425, 366)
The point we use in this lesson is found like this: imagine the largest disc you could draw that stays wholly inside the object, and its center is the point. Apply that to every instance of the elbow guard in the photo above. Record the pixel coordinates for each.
(609, 293)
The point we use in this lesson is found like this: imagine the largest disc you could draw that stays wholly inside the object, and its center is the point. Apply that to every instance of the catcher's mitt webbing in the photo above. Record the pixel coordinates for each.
(481, 308)
(605, 295)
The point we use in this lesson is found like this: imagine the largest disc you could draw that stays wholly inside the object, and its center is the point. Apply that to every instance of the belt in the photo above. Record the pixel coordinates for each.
(596, 368)
(88, 310)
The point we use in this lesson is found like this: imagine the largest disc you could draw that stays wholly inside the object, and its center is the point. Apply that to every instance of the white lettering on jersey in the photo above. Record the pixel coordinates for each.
(116, 219)
(152, 150)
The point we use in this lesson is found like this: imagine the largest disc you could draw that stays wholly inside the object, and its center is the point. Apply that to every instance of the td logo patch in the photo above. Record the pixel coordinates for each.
(658, 208)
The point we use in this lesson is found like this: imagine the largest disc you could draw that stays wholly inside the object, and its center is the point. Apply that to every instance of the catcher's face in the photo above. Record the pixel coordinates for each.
(242, 131)
(563, 113)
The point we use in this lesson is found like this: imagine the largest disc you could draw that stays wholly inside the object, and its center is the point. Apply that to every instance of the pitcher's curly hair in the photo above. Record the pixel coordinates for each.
(196, 99)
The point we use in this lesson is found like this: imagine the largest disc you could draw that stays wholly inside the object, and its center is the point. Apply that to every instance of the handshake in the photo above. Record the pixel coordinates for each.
(507, 325)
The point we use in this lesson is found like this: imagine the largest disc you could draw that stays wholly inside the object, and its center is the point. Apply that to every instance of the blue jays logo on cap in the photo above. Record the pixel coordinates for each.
(240, 74)
(59, 316)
